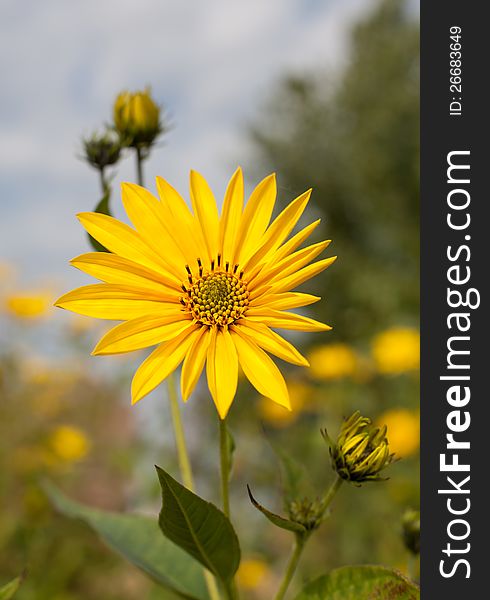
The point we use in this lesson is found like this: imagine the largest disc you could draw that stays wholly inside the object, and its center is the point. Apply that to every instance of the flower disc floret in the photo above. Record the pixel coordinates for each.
(216, 299)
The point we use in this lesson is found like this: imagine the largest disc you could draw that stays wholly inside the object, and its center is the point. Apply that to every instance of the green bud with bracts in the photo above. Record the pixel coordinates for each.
(102, 149)
(361, 451)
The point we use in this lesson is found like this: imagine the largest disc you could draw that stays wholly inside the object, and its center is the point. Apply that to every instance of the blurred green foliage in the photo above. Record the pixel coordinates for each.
(62, 423)
(353, 136)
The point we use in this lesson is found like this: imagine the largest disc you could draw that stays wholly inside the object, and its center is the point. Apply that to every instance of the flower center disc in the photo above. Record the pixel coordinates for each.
(217, 299)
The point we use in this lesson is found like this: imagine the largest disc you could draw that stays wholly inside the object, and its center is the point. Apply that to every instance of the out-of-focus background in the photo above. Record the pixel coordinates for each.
(325, 93)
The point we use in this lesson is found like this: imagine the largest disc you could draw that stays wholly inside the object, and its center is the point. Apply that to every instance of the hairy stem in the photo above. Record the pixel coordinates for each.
(183, 455)
(185, 467)
(299, 544)
(139, 166)
(327, 499)
(103, 182)
(225, 466)
(225, 463)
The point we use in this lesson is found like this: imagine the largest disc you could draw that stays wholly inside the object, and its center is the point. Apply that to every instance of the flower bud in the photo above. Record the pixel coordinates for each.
(102, 149)
(411, 530)
(361, 451)
(137, 118)
(306, 512)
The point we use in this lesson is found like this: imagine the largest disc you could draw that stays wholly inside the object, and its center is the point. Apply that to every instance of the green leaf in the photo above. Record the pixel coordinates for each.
(8, 591)
(279, 521)
(198, 527)
(139, 540)
(102, 208)
(361, 583)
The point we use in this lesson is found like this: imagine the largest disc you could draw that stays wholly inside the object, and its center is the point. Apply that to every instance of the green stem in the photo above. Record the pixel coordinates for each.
(225, 466)
(184, 462)
(139, 166)
(185, 467)
(411, 567)
(334, 488)
(231, 590)
(225, 463)
(103, 183)
(300, 541)
(299, 544)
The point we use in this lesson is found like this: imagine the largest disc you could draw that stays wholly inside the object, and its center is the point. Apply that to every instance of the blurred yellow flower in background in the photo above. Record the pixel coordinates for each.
(403, 430)
(278, 416)
(137, 117)
(69, 443)
(28, 305)
(332, 361)
(251, 573)
(397, 350)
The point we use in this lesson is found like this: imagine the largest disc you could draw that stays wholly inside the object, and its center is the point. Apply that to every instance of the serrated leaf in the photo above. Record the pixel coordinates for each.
(8, 591)
(198, 527)
(361, 583)
(139, 540)
(278, 521)
(103, 209)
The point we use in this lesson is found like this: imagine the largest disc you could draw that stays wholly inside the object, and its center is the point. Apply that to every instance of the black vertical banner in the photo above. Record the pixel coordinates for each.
(455, 260)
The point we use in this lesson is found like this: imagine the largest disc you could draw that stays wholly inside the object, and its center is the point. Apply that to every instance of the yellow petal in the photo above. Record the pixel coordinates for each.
(285, 300)
(230, 216)
(141, 333)
(279, 229)
(295, 279)
(288, 265)
(206, 211)
(120, 239)
(194, 363)
(284, 320)
(116, 302)
(270, 341)
(294, 242)
(255, 219)
(161, 362)
(222, 370)
(182, 219)
(261, 371)
(116, 269)
(145, 212)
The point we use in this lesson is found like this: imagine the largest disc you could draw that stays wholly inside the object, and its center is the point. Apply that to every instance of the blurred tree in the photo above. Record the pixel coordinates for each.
(354, 138)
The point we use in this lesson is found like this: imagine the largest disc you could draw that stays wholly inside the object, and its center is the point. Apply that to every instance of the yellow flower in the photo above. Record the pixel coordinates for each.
(137, 117)
(332, 361)
(27, 306)
(404, 430)
(207, 288)
(251, 573)
(277, 415)
(69, 444)
(397, 350)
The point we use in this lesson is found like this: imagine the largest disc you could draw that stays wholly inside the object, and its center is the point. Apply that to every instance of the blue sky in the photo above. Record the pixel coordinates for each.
(213, 64)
